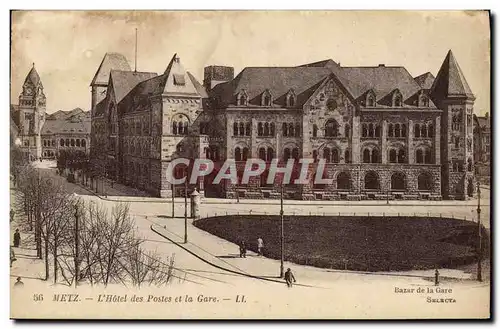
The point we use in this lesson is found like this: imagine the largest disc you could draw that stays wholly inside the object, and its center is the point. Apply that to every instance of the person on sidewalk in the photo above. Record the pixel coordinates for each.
(260, 246)
(18, 283)
(12, 256)
(243, 250)
(289, 278)
(17, 238)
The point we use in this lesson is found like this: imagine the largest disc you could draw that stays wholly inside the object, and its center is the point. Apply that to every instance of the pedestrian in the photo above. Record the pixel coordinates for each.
(19, 283)
(243, 250)
(260, 246)
(289, 278)
(17, 238)
(12, 256)
(12, 214)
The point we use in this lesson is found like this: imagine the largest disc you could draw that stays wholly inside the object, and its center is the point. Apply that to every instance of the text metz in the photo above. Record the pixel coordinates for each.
(66, 298)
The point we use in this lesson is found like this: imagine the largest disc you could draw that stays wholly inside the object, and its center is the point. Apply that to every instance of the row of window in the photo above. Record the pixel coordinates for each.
(458, 166)
(332, 129)
(72, 142)
(48, 143)
(136, 128)
(265, 99)
(397, 130)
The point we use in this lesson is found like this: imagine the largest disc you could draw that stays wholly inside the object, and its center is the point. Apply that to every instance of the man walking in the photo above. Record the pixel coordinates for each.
(17, 238)
(243, 250)
(260, 246)
(289, 278)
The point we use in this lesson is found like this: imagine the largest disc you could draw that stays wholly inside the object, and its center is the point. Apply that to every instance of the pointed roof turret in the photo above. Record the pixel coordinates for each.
(176, 80)
(33, 77)
(111, 61)
(450, 81)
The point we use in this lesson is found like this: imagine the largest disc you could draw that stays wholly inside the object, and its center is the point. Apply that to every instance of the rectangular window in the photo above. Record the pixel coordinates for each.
(179, 79)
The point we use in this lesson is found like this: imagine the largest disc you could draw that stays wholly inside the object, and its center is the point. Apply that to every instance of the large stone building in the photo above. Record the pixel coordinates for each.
(383, 133)
(42, 135)
(482, 147)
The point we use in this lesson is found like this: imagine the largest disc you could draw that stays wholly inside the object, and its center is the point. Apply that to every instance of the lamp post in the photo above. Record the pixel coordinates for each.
(479, 250)
(77, 243)
(185, 208)
(282, 271)
(173, 200)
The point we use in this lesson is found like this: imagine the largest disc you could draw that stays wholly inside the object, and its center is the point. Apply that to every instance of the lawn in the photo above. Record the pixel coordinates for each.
(356, 243)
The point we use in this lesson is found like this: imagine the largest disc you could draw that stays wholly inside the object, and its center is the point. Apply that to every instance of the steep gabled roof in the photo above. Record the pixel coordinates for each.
(278, 80)
(124, 81)
(111, 61)
(175, 80)
(33, 77)
(199, 87)
(382, 79)
(425, 80)
(450, 81)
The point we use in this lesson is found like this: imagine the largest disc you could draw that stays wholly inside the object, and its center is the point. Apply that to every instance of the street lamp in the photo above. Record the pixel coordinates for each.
(479, 250)
(282, 271)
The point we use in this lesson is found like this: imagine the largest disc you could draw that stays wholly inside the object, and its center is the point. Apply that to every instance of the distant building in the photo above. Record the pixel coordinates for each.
(482, 147)
(42, 135)
(383, 133)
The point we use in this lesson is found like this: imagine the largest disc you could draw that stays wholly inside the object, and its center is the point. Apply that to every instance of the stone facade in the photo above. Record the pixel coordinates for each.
(382, 133)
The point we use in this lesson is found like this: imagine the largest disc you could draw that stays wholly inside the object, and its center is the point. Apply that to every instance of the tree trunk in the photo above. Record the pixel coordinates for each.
(38, 236)
(47, 267)
(55, 260)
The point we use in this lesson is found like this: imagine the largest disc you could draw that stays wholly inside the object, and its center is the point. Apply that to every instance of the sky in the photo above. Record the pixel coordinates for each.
(68, 46)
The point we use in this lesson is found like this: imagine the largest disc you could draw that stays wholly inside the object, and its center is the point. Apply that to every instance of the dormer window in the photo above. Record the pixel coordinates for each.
(370, 100)
(423, 101)
(290, 99)
(397, 100)
(266, 98)
(242, 98)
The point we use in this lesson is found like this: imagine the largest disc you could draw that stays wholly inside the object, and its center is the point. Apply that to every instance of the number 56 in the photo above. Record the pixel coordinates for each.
(37, 297)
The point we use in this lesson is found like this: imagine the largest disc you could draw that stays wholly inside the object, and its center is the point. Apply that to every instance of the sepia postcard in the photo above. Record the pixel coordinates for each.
(250, 165)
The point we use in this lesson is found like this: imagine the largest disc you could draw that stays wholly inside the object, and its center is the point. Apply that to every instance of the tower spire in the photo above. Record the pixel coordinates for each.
(135, 66)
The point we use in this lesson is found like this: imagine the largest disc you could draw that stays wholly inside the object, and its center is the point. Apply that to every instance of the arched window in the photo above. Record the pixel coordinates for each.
(335, 156)
(290, 100)
(366, 156)
(270, 154)
(331, 128)
(185, 130)
(174, 128)
(398, 102)
(370, 101)
(371, 130)
(377, 131)
(424, 182)
(266, 129)
(248, 129)
(77, 143)
(343, 181)
(260, 129)
(295, 153)
(242, 99)
(397, 130)
(235, 128)
(267, 100)
(83, 142)
(347, 156)
(347, 131)
(315, 130)
(469, 164)
(430, 131)
(286, 154)
(392, 156)
(315, 155)
(398, 181)
(401, 156)
(391, 130)
(327, 154)
(291, 131)
(242, 129)
(297, 130)
(423, 131)
(375, 156)
(420, 156)
(67, 142)
(45, 144)
(272, 129)
(403, 130)
(427, 156)
(237, 154)
(371, 181)
(53, 142)
(72, 142)
(245, 154)
(417, 130)
(262, 153)
(284, 129)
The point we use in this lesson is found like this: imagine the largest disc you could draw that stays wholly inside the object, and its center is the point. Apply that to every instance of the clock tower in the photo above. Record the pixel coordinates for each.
(32, 105)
